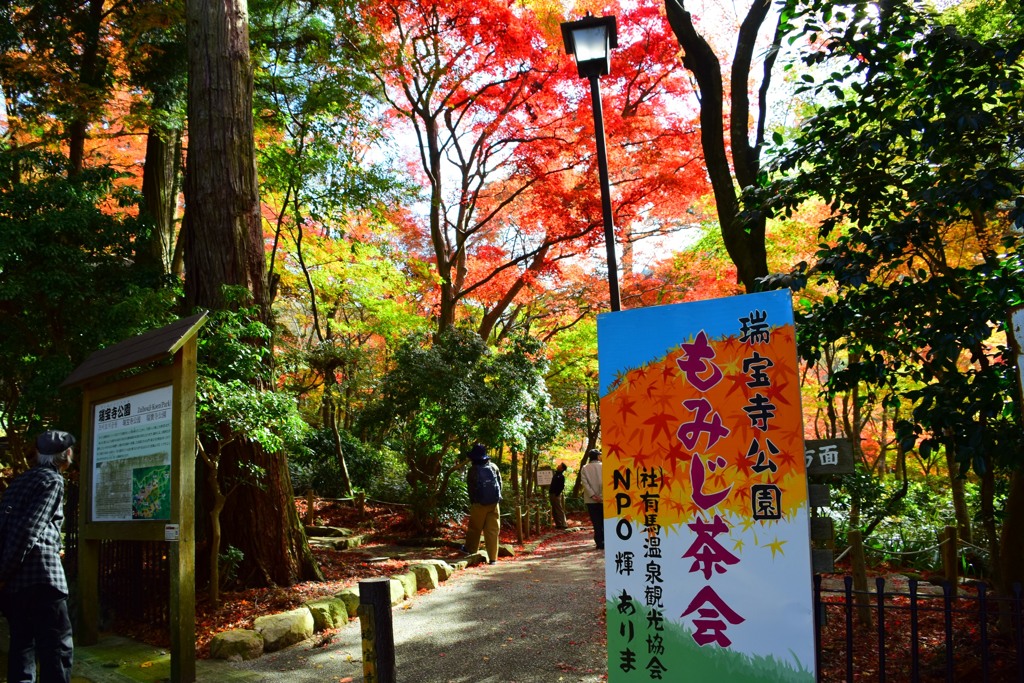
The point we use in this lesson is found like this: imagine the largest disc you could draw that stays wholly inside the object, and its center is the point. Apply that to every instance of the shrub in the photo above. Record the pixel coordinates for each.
(378, 472)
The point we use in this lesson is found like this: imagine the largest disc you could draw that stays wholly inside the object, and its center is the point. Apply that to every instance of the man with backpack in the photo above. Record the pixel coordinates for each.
(483, 482)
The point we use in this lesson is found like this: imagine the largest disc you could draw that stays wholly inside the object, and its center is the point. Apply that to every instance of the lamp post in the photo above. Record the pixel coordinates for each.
(590, 40)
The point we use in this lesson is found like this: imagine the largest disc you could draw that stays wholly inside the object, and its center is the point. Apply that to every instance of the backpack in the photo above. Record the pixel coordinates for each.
(488, 488)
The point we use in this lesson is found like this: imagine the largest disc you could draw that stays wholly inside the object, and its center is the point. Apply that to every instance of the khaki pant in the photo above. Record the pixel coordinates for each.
(485, 519)
(558, 510)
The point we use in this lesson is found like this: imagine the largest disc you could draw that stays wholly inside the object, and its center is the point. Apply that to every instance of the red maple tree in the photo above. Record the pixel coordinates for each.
(505, 147)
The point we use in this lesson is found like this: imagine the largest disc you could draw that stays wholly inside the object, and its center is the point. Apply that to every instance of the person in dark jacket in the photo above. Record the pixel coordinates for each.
(33, 588)
(484, 514)
(556, 492)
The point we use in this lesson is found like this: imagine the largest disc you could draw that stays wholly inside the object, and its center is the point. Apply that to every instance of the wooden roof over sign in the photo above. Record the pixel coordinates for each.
(145, 348)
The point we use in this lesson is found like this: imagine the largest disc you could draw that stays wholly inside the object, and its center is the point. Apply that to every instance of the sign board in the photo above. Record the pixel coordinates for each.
(708, 570)
(131, 457)
(137, 463)
(828, 456)
(544, 476)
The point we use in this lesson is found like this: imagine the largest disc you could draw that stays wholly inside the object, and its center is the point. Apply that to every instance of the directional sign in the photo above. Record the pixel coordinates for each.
(828, 456)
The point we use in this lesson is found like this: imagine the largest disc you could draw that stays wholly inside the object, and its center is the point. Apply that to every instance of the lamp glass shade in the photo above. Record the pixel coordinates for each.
(591, 43)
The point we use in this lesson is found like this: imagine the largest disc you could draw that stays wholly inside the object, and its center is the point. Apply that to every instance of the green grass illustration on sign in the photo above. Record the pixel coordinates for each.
(682, 659)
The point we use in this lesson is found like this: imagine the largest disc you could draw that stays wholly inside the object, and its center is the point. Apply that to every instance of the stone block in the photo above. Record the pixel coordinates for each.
(328, 613)
(284, 629)
(327, 531)
(408, 581)
(397, 591)
(349, 596)
(476, 558)
(236, 645)
(444, 570)
(348, 542)
(426, 576)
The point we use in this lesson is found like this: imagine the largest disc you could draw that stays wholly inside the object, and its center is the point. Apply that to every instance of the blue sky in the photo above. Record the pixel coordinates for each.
(632, 338)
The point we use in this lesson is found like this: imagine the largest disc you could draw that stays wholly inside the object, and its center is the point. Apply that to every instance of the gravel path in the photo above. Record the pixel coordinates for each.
(536, 618)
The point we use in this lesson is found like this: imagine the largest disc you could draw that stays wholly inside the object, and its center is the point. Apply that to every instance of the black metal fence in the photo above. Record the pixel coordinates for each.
(927, 633)
(134, 576)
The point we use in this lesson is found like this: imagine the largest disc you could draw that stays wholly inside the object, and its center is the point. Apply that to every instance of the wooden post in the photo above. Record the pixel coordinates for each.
(361, 503)
(310, 508)
(377, 630)
(519, 524)
(181, 535)
(860, 577)
(950, 568)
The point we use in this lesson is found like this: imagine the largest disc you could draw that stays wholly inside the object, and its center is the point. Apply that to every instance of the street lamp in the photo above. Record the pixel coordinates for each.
(590, 40)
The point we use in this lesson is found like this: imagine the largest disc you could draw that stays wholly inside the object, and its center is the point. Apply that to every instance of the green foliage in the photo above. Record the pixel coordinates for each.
(916, 152)
(67, 287)
(231, 402)
(984, 18)
(313, 90)
(230, 560)
(909, 533)
(572, 375)
(373, 470)
(441, 397)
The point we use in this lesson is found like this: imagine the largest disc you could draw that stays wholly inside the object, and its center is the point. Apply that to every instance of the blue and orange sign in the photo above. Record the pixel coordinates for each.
(705, 493)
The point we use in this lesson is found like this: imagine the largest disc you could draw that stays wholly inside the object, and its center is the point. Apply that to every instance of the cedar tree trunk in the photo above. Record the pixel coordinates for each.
(223, 242)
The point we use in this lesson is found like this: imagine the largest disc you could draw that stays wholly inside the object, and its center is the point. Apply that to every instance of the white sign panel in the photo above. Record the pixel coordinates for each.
(708, 561)
(131, 448)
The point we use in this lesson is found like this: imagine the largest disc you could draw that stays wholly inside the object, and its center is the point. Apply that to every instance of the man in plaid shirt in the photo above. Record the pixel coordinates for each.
(33, 588)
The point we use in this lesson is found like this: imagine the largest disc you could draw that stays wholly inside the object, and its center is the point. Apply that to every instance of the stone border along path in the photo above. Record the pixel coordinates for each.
(277, 631)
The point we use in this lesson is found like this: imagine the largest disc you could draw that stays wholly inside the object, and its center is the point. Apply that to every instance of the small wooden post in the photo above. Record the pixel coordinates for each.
(377, 630)
(950, 568)
(860, 576)
(310, 508)
(361, 503)
(519, 524)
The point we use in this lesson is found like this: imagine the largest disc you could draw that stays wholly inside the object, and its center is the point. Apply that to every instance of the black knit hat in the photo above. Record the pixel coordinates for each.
(52, 442)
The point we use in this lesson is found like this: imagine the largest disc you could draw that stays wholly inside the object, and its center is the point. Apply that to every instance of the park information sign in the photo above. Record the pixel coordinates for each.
(708, 566)
(132, 457)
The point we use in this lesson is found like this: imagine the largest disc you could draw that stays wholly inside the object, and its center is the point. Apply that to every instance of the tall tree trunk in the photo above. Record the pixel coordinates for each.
(339, 454)
(262, 521)
(223, 233)
(988, 522)
(956, 491)
(736, 164)
(223, 245)
(160, 197)
(1011, 551)
(90, 78)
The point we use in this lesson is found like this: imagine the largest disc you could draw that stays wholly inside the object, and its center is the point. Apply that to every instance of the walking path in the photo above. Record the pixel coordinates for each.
(536, 618)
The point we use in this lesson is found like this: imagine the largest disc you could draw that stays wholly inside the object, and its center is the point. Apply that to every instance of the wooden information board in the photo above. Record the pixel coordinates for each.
(137, 460)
